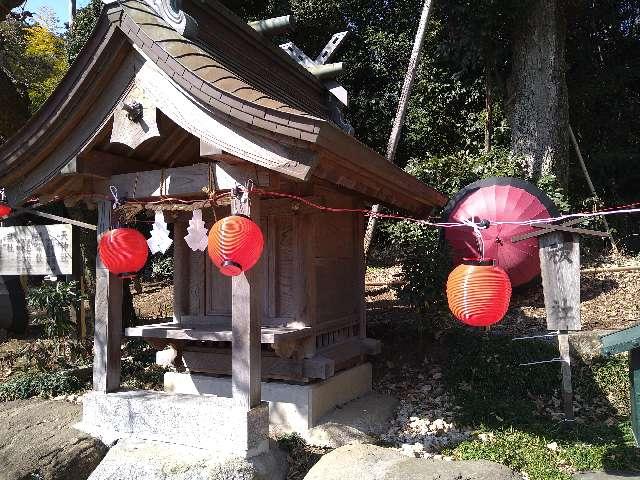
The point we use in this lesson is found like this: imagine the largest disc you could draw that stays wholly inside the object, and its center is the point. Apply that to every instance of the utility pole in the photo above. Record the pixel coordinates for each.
(394, 138)
(72, 12)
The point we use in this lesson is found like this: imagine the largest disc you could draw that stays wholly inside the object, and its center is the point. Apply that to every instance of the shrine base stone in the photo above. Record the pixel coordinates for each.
(204, 422)
(149, 460)
(292, 408)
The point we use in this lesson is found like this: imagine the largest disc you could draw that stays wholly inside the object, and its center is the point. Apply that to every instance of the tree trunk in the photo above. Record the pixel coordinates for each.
(15, 106)
(539, 106)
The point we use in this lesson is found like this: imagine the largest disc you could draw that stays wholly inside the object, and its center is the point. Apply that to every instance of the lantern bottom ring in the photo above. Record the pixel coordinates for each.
(230, 268)
(126, 275)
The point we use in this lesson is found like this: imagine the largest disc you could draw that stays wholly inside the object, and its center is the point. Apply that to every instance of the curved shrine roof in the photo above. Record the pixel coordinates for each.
(231, 69)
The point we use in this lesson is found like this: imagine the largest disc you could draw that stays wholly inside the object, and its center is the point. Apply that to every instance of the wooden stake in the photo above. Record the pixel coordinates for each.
(591, 187)
(567, 389)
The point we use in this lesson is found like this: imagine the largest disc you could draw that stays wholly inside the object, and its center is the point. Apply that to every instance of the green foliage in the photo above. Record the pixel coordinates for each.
(34, 54)
(508, 406)
(485, 377)
(46, 355)
(53, 303)
(419, 249)
(452, 172)
(139, 370)
(27, 385)
(519, 450)
(550, 185)
(159, 267)
(46, 61)
(608, 377)
(162, 267)
(423, 264)
(83, 25)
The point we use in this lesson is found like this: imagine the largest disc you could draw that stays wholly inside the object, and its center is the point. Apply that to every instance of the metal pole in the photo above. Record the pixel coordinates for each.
(394, 138)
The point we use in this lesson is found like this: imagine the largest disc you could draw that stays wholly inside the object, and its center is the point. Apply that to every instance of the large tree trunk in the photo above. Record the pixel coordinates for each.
(14, 110)
(539, 107)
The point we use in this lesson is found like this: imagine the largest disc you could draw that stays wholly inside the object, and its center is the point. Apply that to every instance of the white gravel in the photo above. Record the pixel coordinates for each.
(423, 422)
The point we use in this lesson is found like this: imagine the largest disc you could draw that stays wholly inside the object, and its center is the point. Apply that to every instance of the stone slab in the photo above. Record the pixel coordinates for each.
(37, 441)
(201, 421)
(149, 460)
(358, 421)
(292, 408)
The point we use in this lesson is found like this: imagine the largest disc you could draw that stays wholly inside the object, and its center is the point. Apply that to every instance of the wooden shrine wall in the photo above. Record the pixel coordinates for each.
(314, 272)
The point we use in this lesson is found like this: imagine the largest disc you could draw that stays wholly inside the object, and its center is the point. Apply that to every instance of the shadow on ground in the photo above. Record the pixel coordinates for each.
(520, 405)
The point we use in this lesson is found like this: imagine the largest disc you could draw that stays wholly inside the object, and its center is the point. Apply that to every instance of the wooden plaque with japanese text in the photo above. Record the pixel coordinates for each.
(560, 267)
(35, 250)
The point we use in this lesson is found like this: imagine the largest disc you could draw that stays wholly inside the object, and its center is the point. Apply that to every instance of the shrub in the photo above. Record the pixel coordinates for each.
(53, 303)
(159, 267)
(424, 261)
(27, 385)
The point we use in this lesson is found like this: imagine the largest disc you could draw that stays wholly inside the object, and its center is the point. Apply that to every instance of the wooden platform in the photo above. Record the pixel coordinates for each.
(212, 333)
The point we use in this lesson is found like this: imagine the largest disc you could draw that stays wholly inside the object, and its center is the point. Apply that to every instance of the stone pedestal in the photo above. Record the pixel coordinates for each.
(201, 421)
(292, 408)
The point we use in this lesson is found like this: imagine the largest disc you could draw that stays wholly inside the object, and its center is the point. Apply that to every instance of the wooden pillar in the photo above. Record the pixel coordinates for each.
(108, 317)
(359, 256)
(246, 310)
(181, 259)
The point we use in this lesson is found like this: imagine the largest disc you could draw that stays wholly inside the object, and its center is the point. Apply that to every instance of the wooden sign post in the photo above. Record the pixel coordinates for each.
(560, 267)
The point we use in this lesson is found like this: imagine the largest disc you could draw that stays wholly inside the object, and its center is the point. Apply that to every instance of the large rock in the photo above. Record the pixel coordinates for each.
(606, 475)
(150, 460)
(370, 462)
(37, 440)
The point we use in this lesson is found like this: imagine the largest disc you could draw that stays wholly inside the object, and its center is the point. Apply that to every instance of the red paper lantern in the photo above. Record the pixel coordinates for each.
(123, 251)
(5, 210)
(235, 244)
(478, 292)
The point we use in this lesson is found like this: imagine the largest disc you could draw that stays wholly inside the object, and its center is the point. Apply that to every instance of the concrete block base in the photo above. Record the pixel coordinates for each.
(292, 408)
(200, 421)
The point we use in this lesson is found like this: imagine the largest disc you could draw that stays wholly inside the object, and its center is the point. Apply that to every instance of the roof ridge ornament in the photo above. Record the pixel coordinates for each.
(326, 73)
(171, 12)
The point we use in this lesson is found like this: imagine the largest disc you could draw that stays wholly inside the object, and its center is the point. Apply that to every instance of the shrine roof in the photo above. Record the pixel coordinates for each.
(227, 68)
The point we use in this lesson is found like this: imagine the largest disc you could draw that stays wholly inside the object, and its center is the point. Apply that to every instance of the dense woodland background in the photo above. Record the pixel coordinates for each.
(498, 84)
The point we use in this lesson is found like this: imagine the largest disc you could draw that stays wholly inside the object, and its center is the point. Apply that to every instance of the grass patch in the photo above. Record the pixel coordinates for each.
(27, 385)
(518, 408)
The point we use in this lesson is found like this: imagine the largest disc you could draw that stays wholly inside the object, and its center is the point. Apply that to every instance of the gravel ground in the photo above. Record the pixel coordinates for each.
(423, 424)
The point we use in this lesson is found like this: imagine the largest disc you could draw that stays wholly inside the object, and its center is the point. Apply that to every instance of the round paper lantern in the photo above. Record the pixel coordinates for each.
(235, 244)
(478, 292)
(5, 210)
(123, 251)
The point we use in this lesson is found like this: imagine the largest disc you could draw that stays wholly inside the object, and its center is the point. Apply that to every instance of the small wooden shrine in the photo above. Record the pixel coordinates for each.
(184, 100)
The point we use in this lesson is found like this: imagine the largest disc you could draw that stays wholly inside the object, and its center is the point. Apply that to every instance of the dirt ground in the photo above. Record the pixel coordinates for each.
(610, 301)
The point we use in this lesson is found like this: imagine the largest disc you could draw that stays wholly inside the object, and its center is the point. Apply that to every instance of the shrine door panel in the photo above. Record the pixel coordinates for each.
(335, 268)
(218, 286)
(279, 306)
